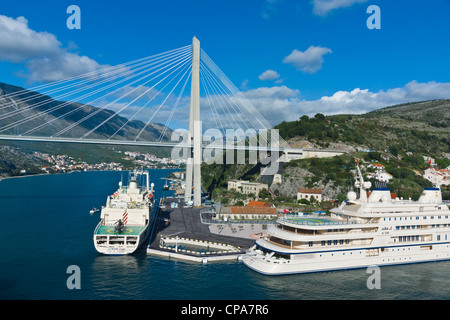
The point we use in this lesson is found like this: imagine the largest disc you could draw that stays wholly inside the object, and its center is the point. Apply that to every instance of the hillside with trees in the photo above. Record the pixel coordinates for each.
(422, 127)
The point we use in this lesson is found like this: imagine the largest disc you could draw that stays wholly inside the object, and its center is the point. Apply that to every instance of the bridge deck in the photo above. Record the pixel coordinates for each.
(137, 143)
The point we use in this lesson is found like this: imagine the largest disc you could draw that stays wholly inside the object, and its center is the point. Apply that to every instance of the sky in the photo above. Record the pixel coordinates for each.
(288, 57)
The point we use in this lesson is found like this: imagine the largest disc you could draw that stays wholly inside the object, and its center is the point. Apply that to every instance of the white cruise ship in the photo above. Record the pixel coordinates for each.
(125, 219)
(363, 231)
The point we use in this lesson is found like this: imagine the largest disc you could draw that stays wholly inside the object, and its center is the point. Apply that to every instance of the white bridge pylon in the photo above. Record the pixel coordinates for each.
(193, 163)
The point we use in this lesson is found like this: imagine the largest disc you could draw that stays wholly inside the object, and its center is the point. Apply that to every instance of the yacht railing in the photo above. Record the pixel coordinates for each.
(98, 226)
(321, 223)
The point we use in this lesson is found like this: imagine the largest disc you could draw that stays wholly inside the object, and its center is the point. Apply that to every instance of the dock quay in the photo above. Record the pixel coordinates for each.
(180, 233)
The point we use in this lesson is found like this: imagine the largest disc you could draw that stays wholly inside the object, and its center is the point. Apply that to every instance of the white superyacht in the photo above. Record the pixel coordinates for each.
(125, 219)
(363, 231)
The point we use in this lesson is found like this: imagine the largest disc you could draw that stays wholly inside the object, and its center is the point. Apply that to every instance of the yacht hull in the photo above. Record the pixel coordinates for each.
(310, 262)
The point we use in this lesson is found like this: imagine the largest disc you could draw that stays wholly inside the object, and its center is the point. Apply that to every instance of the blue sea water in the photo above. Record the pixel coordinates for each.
(45, 226)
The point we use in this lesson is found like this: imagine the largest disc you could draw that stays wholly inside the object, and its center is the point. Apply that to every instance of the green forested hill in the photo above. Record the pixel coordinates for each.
(422, 127)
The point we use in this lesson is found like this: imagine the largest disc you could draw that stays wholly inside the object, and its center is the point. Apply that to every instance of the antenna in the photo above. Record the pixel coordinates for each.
(361, 184)
(121, 180)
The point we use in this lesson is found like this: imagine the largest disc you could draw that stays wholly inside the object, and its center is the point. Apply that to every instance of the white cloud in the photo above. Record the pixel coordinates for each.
(59, 66)
(277, 92)
(277, 104)
(323, 7)
(42, 53)
(309, 61)
(281, 103)
(269, 75)
(19, 43)
(428, 90)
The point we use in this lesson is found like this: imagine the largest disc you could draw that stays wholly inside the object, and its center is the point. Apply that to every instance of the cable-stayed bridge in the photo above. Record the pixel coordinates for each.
(149, 90)
(135, 103)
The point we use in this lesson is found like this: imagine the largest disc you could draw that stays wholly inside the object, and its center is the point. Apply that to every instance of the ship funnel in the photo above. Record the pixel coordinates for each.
(431, 195)
(380, 193)
(133, 184)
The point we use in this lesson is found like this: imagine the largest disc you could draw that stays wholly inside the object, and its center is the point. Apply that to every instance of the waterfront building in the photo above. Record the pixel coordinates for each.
(309, 193)
(247, 187)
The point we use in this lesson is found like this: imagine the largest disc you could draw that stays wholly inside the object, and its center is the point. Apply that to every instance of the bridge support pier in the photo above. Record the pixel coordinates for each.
(194, 161)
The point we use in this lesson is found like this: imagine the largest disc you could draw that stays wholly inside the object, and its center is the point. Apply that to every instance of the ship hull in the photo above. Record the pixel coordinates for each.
(120, 244)
(345, 259)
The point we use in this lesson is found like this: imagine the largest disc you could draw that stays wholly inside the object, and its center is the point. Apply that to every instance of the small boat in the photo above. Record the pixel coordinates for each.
(94, 211)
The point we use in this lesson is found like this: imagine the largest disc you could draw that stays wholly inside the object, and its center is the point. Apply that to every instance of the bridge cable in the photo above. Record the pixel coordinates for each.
(185, 58)
(33, 106)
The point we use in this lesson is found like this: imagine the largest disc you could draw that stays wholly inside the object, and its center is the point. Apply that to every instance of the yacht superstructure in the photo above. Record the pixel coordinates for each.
(125, 219)
(363, 231)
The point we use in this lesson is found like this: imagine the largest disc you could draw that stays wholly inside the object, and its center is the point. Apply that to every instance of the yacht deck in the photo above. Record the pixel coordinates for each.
(111, 230)
(312, 220)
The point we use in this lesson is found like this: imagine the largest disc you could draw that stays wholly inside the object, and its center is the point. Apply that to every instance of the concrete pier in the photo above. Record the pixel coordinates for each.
(186, 223)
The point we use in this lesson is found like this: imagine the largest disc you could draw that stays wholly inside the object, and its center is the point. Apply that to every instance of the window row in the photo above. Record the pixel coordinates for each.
(411, 218)
(420, 226)
(409, 238)
(331, 242)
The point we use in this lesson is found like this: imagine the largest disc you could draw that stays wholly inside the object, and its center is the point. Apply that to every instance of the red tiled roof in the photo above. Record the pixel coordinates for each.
(253, 210)
(259, 204)
(376, 165)
(301, 190)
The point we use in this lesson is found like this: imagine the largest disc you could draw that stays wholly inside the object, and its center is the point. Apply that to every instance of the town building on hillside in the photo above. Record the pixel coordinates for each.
(246, 187)
(376, 166)
(380, 173)
(309, 193)
(437, 177)
(431, 162)
(380, 176)
(383, 177)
